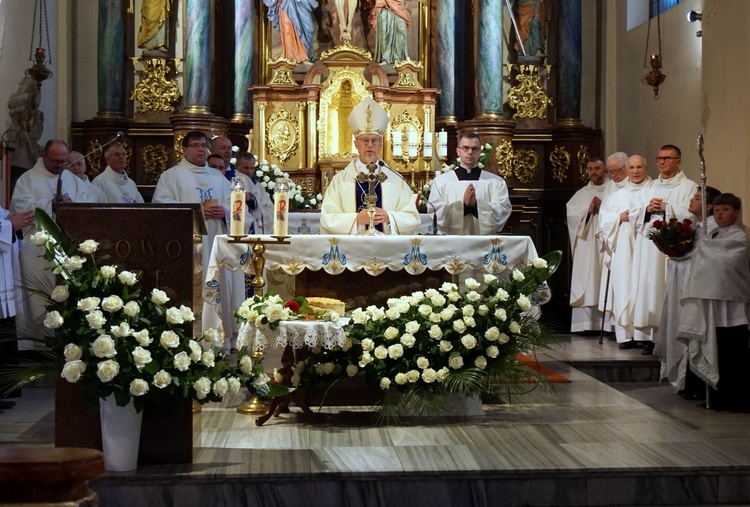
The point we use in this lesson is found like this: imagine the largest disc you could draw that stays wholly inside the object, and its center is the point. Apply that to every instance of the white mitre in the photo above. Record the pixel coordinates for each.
(368, 117)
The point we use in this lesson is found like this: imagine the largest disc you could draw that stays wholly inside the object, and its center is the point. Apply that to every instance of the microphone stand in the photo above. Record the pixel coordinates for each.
(434, 219)
(58, 191)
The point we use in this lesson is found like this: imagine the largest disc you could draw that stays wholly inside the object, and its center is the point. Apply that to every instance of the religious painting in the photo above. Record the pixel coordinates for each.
(301, 30)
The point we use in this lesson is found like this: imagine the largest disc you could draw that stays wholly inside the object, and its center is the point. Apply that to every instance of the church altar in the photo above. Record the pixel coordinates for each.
(358, 256)
(308, 222)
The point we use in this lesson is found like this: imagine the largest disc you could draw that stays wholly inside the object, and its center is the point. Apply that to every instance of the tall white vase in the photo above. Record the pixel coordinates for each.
(121, 435)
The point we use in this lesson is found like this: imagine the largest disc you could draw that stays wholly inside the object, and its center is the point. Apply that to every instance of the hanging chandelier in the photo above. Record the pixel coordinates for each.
(38, 71)
(654, 77)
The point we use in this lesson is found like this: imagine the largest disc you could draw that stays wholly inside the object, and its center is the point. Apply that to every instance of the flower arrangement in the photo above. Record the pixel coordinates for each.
(114, 341)
(428, 345)
(672, 237)
(268, 310)
(299, 199)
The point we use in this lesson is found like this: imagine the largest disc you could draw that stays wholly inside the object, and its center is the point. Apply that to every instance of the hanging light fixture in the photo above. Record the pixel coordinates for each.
(655, 77)
(38, 72)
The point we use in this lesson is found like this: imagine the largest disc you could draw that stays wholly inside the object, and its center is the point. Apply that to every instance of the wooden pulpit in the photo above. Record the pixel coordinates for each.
(156, 242)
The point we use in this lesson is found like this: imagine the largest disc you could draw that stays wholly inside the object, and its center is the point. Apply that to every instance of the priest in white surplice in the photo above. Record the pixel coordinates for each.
(616, 218)
(114, 182)
(469, 200)
(669, 197)
(586, 248)
(37, 188)
(77, 165)
(344, 210)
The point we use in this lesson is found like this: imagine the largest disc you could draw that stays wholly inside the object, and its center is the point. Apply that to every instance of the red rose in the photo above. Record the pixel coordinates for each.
(673, 221)
(292, 305)
(687, 221)
(686, 228)
(657, 224)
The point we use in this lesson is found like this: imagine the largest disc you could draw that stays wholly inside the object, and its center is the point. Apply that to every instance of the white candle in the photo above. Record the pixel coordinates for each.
(237, 201)
(396, 141)
(428, 145)
(443, 144)
(281, 211)
(413, 142)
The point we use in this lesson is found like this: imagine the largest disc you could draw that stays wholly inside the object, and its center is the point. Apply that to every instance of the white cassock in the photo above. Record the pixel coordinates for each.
(649, 269)
(619, 239)
(118, 187)
(10, 270)
(261, 217)
(90, 192)
(493, 204)
(587, 253)
(36, 188)
(339, 209)
(604, 292)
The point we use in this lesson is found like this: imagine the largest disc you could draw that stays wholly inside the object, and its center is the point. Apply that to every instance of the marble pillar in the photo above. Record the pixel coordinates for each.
(569, 102)
(490, 58)
(446, 58)
(197, 56)
(244, 31)
(109, 58)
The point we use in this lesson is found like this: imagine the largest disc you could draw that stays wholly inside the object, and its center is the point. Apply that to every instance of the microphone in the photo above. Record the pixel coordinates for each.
(383, 164)
(58, 195)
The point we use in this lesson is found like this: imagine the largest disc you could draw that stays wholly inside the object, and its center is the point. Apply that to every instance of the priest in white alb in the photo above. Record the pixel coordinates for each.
(586, 248)
(344, 208)
(469, 200)
(114, 181)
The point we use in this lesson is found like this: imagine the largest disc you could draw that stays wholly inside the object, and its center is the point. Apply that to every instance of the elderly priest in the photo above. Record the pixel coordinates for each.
(344, 208)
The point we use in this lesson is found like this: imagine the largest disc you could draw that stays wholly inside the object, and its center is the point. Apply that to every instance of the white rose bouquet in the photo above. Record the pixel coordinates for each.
(442, 341)
(299, 199)
(115, 341)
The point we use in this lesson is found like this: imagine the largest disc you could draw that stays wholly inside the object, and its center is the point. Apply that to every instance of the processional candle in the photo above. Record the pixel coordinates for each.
(442, 144)
(397, 140)
(428, 145)
(413, 142)
(281, 208)
(237, 222)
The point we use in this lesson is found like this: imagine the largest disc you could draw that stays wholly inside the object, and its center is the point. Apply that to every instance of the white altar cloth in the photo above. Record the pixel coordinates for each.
(296, 333)
(308, 222)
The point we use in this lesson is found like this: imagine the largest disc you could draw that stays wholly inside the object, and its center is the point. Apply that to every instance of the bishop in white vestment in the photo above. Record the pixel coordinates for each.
(114, 182)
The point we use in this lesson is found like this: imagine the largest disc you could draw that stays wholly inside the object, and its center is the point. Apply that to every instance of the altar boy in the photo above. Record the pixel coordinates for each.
(716, 301)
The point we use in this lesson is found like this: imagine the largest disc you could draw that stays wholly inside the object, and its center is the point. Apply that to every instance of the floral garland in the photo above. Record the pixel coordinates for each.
(299, 199)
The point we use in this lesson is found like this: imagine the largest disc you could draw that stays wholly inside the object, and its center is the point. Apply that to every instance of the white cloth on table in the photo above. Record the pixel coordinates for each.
(296, 333)
(118, 187)
(339, 209)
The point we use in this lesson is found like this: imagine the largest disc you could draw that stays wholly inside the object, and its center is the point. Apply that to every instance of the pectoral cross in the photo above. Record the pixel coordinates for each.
(372, 178)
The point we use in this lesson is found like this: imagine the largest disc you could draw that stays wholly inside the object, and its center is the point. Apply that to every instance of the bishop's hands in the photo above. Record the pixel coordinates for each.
(594, 206)
(21, 220)
(470, 196)
(656, 205)
(381, 217)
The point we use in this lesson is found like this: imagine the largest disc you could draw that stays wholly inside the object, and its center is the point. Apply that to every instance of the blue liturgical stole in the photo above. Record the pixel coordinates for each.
(361, 190)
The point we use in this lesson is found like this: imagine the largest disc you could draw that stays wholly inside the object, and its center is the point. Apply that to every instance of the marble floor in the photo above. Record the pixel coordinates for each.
(585, 443)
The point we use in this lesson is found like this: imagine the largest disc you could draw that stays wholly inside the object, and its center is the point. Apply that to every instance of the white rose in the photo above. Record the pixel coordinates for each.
(515, 327)
(425, 310)
(72, 352)
(112, 304)
(221, 387)
(162, 379)
(523, 302)
(367, 344)
(504, 338)
(159, 297)
(467, 311)
(445, 346)
(488, 278)
(447, 314)
(53, 320)
(174, 316)
(412, 376)
(127, 278)
(470, 322)
(107, 370)
(108, 272)
(334, 316)
(437, 299)
(377, 314)
(60, 293)
(40, 238)
(454, 296)
(138, 387)
(381, 352)
(422, 362)
(352, 370)
(261, 380)
(429, 376)
(473, 296)
(430, 292)
(539, 263)
(88, 247)
(448, 287)
(202, 387)
(359, 316)
(213, 335)
(169, 340)
(182, 361)
(442, 374)
(435, 332)
(328, 368)
(96, 319)
(88, 304)
(408, 340)
(390, 333)
(400, 379)
(277, 376)
(472, 284)
(365, 359)
(131, 309)
(121, 330)
(435, 318)
(492, 351)
(502, 295)
(392, 313)
(234, 385)
(208, 359)
(395, 351)
(492, 334)
(72, 371)
(196, 351)
(274, 313)
(481, 362)
(518, 276)
(412, 327)
(385, 383)
(459, 326)
(104, 346)
(187, 313)
(501, 314)
(456, 362)
(246, 365)
(468, 341)
(74, 263)
(142, 337)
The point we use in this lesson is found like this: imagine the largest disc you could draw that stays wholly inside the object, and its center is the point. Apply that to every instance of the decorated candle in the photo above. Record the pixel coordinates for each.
(443, 144)
(428, 145)
(413, 143)
(281, 208)
(237, 202)
(397, 139)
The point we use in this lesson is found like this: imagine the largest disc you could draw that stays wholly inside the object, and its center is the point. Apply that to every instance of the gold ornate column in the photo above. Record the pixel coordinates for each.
(302, 139)
(261, 118)
(312, 132)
